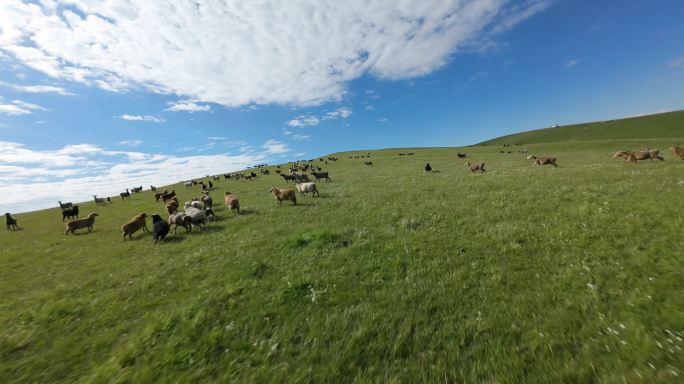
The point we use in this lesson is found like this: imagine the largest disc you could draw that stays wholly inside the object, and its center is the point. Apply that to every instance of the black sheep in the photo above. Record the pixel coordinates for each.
(160, 228)
(70, 213)
(11, 222)
(428, 168)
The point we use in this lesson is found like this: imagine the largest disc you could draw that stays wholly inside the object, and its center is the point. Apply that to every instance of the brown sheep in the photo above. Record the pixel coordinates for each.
(168, 196)
(88, 222)
(139, 221)
(182, 219)
(232, 202)
(633, 156)
(157, 195)
(543, 160)
(476, 167)
(679, 152)
(284, 194)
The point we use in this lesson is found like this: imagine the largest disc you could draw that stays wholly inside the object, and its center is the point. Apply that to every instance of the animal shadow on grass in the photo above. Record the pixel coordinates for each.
(243, 212)
(171, 238)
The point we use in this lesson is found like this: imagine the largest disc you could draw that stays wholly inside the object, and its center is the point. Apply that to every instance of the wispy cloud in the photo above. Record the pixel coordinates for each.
(153, 119)
(312, 64)
(571, 63)
(41, 89)
(18, 107)
(187, 106)
(677, 62)
(130, 143)
(309, 119)
(296, 136)
(273, 147)
(304, 121)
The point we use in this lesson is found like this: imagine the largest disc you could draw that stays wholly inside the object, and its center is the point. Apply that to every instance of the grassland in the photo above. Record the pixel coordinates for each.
(523, 274)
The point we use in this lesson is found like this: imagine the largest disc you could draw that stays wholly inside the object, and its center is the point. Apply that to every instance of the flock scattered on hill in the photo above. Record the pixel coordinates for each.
(199, 210)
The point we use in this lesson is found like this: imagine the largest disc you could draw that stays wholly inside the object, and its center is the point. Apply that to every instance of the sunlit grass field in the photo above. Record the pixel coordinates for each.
(521, 274)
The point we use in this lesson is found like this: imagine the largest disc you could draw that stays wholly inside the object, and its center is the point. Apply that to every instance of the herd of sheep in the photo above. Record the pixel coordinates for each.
(197, 212)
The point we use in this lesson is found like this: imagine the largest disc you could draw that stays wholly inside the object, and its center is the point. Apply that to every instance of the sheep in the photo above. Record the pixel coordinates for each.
(160, 228)
(168, 196)
(284, 194)
(232, 202)
(209, 213)
(157, 195)
(543, 160)
(207, 200)
(125, 195)
(321, 175)
(678, 151)
(70, 213)
(633, 156)
(153, 188)
(100, 200)
(11, 222)
(188, 184)
(369, 163)
(476, 167)
(304, 188)
(196, 212)
(64, 206)
(182, 219)
(139, 221)
(428, 168)
(301, 177)
(461, 155)
(88, 222)
(288, 177)
(211, 185)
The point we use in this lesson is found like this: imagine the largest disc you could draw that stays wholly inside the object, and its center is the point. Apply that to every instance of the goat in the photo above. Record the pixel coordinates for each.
(321, 175)
(11, 222)
(88, 222)
(65, 205)
(160, 228)
(476, 167)
(70, 213)
(157, 195)
(284, 194)
(139, 221)
(125, 195)
(543, 160)
(153, 188)
(288, 177)
(461, 155)
(232, 202)
(679, 152)
(369, 163)
(168, 196)
(305, 188)
(428, 168)
(100, 200)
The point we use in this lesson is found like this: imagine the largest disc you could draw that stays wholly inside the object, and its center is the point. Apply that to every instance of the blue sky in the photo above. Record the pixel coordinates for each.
(98, 97)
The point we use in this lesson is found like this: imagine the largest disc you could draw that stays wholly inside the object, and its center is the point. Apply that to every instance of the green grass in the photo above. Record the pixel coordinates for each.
(523, 274)
(663, 125)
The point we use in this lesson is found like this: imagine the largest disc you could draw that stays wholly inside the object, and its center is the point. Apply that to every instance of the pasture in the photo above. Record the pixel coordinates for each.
(520, 274)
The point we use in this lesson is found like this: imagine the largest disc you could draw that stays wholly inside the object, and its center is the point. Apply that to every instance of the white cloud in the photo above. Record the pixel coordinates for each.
(304, 121)
(273, 147)
(370, 108)
(41, 89)
(153, 119)
(384, 119)
(18, 107)
(571, 63)
(187, 106)
(35, 179)
(130, 143)
(237, 53)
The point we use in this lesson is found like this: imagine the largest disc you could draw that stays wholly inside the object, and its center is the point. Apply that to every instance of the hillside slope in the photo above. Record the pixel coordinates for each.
(662, 125)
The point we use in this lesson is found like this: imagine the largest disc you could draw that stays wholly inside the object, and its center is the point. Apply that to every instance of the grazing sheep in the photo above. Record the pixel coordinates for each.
(182, 219)
(11, 222)
(679, 152)
(232, 202)
(543, 160)
(633, 156)
(139, 221)
(125, 195)
(288, 177)
(64, 206)
(284, 194)
(321, 175)
(207, 200)
(428, 168)
(304, 188)
(168, 196)
(70, 213)
(157, 195)
(461, 155)
(160, 228)
(369, 163)
(476, 167)
(88, 222)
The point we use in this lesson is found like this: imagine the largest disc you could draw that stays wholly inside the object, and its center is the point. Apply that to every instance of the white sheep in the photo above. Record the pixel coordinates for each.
(304, 188)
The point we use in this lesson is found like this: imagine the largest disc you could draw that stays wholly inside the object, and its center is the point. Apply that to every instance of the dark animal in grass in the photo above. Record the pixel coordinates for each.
(208, 212)
(461, 155)
(70, 213)
(428, 168)
(168, 196)
(543, 160)
(65, 205)
(369, 163)
(476, 167)
(321, 175)
(211, 185)
(160, 228)
(88, 222)
(139, 221)
(157, 195)
(287, 177)
(11, 222)
(125, 195)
